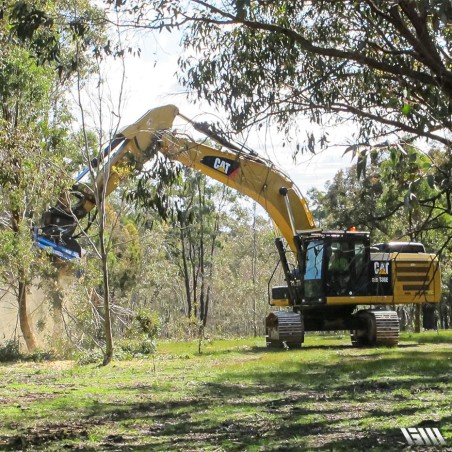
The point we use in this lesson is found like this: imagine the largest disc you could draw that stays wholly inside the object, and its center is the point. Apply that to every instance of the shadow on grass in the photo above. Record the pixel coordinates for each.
(371, 370)
(355, 403)
(263, 349)
(414, 340)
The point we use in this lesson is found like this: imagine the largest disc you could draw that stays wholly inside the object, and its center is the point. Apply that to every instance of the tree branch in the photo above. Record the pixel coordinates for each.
(307, 45)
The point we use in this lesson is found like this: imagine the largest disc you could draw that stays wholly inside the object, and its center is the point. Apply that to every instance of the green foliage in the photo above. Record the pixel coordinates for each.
(33, 142)
(39, 356)
(148, 323)
(64, 35)
(135, 348)
(125, 349)
(34, 119)
(147, 272)
(385, 65)
(10, 351)
(185, 328)
(197, 211)
(152, 190)
(86, 357)
(394, 199)
(441, 337)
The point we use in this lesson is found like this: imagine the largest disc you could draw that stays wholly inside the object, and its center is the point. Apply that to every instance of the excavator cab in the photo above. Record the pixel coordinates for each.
(329, 264)
(336, 263)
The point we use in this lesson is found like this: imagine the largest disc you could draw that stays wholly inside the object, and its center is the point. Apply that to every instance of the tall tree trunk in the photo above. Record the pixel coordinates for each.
(186, 274)
(206, 308)
(202, 294)
(24, 318)
(417, 318)
(253, 271)
(194, 278)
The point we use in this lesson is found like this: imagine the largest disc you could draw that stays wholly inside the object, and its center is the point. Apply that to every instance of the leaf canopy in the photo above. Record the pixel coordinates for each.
(386, 66)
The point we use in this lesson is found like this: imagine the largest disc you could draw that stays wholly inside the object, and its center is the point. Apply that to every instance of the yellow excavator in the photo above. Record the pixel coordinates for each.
(329, 275)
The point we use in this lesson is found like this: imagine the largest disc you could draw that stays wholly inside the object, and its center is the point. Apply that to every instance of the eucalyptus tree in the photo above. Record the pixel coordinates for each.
(41, 45)
(384, 65)
(396, 199)
(381, 69)
(198, 211)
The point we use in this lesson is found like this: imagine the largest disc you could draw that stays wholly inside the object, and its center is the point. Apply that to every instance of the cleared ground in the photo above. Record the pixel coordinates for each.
(235, 396)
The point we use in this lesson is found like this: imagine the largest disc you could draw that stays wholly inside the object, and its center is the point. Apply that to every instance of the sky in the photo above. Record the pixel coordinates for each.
(151, 81)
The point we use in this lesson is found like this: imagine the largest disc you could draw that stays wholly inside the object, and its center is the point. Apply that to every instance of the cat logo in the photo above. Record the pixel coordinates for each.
(223, 165)
(381, 268)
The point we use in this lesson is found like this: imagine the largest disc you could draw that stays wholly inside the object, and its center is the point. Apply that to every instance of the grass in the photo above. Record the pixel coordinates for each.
(235, 396)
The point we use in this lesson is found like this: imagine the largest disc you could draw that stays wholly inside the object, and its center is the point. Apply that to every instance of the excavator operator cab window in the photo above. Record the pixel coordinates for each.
(313, 276)
(347, 267)
(339, 269)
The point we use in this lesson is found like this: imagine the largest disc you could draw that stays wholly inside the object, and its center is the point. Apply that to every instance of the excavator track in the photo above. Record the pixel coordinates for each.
(380, 328)
(284, 329)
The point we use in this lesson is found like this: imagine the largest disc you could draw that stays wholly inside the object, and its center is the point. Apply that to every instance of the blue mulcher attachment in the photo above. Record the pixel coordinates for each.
(55, 248)
(58, 225)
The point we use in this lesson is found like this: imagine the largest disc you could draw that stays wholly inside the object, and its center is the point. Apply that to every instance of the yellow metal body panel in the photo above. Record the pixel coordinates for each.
(416, 278)
(255, 177)
(281, 302)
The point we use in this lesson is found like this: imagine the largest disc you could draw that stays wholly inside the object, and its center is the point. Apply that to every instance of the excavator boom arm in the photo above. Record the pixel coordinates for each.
(249, 174)
(252, 176)
(137, 143)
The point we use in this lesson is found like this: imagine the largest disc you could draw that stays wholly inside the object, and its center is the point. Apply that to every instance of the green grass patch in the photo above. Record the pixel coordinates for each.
(236, 395)
(433, 337)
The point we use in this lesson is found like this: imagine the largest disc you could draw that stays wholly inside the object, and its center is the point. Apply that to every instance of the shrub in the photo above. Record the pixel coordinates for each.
(10, 351)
